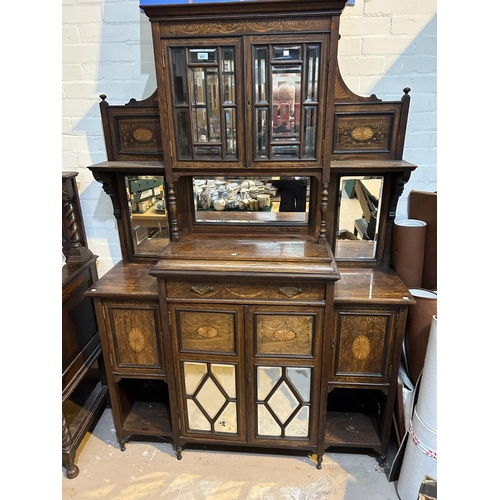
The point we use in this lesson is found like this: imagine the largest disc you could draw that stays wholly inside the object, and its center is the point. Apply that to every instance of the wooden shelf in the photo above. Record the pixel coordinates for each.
(149, 419)
(351, 429)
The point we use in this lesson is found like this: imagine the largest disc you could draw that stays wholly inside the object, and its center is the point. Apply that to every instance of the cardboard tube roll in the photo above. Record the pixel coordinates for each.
(408, 251)
(418, 326)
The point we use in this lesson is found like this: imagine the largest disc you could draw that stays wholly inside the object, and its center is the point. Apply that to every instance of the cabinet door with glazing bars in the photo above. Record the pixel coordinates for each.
(284, 96)
(204, 100)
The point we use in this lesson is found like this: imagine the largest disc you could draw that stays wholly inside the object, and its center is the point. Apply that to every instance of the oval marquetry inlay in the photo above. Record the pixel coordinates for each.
(142, 134)
(362, 133)
(361, 347)
(285, 335)
(136, 340)
(207, 331)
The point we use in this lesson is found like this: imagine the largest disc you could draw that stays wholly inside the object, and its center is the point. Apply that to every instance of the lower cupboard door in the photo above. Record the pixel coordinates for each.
(283, 404)
(211, 400)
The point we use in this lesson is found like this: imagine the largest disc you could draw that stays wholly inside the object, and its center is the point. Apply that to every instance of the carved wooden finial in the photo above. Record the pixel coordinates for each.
(103, 97)
(406, 90)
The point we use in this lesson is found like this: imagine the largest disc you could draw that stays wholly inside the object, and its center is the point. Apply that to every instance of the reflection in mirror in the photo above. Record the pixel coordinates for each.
(252, 200)
(147, 212)
(359, 201)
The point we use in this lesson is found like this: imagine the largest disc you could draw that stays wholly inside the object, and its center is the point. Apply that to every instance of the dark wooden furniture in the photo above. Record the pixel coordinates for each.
(252, 326)
(84, 388)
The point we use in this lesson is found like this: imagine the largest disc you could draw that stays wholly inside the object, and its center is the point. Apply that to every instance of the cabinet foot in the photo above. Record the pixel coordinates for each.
(72, 471)
(178, 452)
(382, 457)
(320, 461)
(122, 442)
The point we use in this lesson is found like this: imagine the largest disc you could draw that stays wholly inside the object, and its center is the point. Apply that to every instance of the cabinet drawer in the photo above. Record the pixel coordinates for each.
(245, 291)
(134, 337)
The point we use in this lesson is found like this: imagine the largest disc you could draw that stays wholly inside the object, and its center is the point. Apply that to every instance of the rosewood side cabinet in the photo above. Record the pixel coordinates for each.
(255, 195)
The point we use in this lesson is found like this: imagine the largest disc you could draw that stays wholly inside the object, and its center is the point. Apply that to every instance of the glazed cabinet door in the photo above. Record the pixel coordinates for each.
(285, 99)
(283, 349)
(204, 97)
(362, 345)
(208, 354)
(134, 336)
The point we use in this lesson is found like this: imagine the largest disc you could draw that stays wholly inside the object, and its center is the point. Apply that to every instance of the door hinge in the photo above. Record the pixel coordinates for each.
(397, 321)
(169, 319)
(163, 58)
(171, 150)
(332, 343)
(111, 360)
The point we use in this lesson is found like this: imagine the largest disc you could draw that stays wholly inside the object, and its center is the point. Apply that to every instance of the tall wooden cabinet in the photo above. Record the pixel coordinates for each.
(255, 196)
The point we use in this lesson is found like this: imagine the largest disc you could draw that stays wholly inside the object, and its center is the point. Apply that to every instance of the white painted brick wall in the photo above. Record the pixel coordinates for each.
(385, 45)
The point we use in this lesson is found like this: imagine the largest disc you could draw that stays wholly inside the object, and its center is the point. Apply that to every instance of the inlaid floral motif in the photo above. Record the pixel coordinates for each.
(136, 340)
(142, 134)
(284, 335)
(362, 133)
(361, 347)
(207, 331)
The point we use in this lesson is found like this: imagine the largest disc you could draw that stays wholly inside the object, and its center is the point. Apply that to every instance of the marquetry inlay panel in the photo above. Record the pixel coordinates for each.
(244, 27)
(202, 331)
(139, 135)
(134, 334)
(363, 132)
(284, 334)
(362, 344)
(255, 291)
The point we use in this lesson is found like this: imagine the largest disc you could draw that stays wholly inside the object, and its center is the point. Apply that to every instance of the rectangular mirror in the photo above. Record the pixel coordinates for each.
(256, 200)
(147, 213)
(358, 222)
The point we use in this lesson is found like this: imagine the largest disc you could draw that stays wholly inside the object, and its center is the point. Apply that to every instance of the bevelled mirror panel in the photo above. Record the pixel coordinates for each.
(360, 198)
(255, 200)
(147, 213)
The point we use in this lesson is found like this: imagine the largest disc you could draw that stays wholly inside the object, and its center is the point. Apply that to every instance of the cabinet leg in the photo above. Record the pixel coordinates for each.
(178, 452)
(122, 442)
(68, 459)
(320, 461)
(382, 457)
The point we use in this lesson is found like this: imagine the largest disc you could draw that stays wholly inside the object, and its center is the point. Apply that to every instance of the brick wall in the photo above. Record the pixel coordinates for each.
(385, 45)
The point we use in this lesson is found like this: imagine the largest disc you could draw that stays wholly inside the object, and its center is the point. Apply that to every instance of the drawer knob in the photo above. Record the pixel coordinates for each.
(290, 291)
(201, 289)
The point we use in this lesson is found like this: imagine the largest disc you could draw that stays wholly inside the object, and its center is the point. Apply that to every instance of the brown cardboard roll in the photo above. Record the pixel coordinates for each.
(418, 327)
(408, 250)
(422, 205)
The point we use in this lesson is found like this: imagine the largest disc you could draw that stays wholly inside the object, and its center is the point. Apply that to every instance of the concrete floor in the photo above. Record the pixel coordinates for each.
(149, 470)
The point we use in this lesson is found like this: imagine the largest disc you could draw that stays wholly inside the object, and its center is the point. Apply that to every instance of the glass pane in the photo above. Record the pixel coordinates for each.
(286, 102)
(283, 402)
(228, 420)
(230, 124)
(193, 375)
(267, 376)
(358, 221)
(179, 75)
(289, 52)
(266, 425)
(207, 152)
(147, 213)
(310, 120)
(196, 419)
(197, 83)
(210, 398)
(260, 75)
(199, 120)
(228, 76)
(182, 119)
(301, 380)
(312, 72)
(225, 375)
(299, 426)
(203, 55)
(261, 149)
(285, 151)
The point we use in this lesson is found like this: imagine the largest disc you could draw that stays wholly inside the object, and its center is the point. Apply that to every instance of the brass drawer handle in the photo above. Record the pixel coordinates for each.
(201, 289)
(290, 291)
